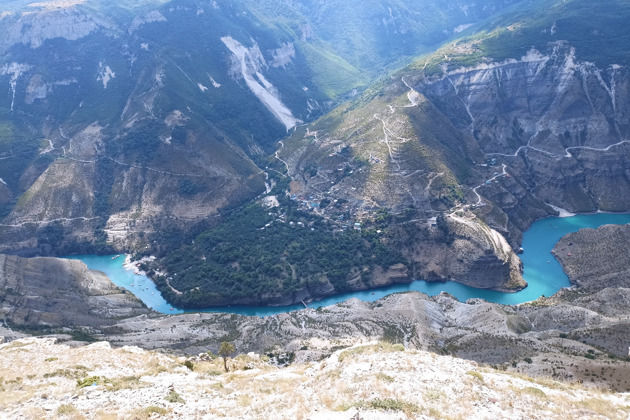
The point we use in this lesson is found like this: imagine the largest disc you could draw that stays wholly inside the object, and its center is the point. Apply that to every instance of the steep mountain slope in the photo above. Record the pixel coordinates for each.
(124, 120)
(494, 130)
(140, 127)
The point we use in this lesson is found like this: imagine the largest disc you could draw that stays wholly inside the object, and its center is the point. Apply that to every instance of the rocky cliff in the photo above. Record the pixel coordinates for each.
(60, 295)
(559, 124)
(500, 143)
(595, 259)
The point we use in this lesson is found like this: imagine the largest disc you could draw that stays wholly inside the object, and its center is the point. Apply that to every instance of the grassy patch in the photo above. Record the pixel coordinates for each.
(381, 347)
(174, 397)
(150, 412)
(390, 404)
(67, 373)
(475, 375)
(66, 410)
(537, 392)
(90, 381)
(125, 382)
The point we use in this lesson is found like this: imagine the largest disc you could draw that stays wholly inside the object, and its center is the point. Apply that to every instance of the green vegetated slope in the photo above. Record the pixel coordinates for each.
(275, 256)
(597, 31)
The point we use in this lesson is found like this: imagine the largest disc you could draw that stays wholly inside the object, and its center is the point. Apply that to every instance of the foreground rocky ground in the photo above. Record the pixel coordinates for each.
(44, 380)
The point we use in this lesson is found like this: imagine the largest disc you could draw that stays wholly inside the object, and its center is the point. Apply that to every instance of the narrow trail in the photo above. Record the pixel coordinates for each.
(153, 169)
(389, 147)
(208, 193)
(279, 158)
(605, 149)
(479, 198)
(433, 176)
(46, 222)
(567, 153)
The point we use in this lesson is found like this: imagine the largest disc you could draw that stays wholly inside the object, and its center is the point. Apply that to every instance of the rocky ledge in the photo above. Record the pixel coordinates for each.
(58, 293)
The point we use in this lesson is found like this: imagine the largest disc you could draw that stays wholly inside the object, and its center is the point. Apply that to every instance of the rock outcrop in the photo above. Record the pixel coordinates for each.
(595, 259)
(559, 125)
(55, 293)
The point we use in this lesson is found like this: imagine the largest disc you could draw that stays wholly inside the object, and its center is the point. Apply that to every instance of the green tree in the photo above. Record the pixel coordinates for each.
(225, 350)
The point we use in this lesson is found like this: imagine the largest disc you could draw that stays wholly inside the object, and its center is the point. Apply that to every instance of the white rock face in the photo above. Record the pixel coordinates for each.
(38, 89)
(248, 63)
(153, 16)
(214, 82)
(15, 70)
(35, 28)
(105, 74)
(283, 55)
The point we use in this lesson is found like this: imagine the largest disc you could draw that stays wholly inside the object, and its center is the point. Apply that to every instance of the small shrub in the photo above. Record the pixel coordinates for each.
(126, 382)
(190, 365)
(475, 375)
(391, 404)
(398, 347)
(66, 409)
(528, 360)
(214, 372)
(217, 386)
(51, 359)
(385, 377)
(174, 397)
(92, 380)
(155, 410)
(534, 391)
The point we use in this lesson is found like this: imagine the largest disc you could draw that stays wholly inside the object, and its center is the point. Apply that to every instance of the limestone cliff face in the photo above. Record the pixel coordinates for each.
(50, 292)
(34, 28)
(561, 126)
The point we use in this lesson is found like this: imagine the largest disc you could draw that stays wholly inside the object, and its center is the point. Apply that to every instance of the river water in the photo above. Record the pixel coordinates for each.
(541, 270)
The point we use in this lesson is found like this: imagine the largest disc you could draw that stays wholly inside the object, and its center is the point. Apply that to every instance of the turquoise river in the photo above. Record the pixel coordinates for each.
(541, 270)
